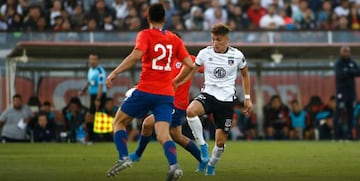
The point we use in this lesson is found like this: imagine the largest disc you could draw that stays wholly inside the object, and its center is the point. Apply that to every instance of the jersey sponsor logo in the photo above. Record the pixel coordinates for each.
(219, 72)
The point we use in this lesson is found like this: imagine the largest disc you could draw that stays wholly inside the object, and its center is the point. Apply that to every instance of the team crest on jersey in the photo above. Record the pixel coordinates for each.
(219, 72)
(228, 123)
(210, 59)
(178, 65)
(231, 61)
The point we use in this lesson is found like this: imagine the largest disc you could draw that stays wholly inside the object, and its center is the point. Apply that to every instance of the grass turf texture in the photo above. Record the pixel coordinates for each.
(241, 161)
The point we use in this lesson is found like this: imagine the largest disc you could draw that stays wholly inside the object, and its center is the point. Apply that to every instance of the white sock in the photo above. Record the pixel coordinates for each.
(197, 129)
(216, 154)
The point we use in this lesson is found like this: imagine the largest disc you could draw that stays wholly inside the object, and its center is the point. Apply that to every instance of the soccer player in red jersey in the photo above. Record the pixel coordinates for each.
(158, 49)
(180, 104)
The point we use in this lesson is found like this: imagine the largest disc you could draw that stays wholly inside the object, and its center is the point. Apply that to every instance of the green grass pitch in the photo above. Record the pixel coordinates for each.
(258, 160)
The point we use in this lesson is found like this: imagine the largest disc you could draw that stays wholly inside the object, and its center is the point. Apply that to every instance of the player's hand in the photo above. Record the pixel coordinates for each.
(247, 106)
(109, 79)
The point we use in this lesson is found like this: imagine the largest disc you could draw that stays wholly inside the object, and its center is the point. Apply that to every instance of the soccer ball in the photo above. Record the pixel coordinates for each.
(129, 92)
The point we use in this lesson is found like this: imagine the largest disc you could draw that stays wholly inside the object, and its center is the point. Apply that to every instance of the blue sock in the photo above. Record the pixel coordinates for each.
(120, 140)
(170, 152)
(194, 150)
(143, 141)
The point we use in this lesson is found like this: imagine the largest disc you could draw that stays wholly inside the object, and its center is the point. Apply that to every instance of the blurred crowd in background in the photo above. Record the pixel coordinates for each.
(181, 15)
(312, 121)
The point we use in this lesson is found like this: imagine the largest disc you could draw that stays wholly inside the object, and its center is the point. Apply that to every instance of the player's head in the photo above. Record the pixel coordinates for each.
(156, 13)
(220, 38)
(345, 52)
(93, 60)
(17, 101)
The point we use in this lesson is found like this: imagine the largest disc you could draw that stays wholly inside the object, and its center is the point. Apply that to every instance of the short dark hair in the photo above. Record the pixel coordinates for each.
(156, 12)
(220, 29)
(16, 96)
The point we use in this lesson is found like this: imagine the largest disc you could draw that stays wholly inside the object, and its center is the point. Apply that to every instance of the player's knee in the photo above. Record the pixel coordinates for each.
(190, 113)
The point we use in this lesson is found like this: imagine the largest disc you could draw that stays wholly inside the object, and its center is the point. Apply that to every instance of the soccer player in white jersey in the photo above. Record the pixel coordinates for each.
(221, 63)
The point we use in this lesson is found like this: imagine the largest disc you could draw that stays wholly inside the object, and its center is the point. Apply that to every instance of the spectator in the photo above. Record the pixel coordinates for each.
(15, 23)
(277, 122)
(255, 12)
(343, 9)
(267, 3)
(109, 23)
(98, 12)
(325, 14)
(91, 25)
(299, 15)
(177, 23)
(196, 21)
(55, 12)
(11, 5)
(236, 15)
(134, 24)
(46, 109)
(74, 114)
(346, 70)
(30, 21)
(288, 21)
(308, 23)
(271, 20)
(41, 25)
(77, 17)
(215, 14)
(43, 131)
(121, 9)
(298, 118)
(354, 18)
(343, 24)
(314, 106)
(58, 25)
(242, 126)
(184, 10)
(325, 120)
(169, 12)
(14, 121)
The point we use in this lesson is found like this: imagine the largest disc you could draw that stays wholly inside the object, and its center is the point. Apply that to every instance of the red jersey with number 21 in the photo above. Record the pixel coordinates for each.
(160, 50)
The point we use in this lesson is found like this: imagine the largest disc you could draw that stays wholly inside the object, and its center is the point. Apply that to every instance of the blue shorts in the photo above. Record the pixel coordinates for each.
(140, 103)
(177, 117)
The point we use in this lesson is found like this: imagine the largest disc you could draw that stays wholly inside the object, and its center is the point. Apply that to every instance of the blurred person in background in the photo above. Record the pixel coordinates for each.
(346, 70)
(271, 20)
(325, 122)
(314, 106)
(243, 126)
(75, 114)
(14, 121)
(43, 131)
(255, 12)
(277, 121)
(298, 118)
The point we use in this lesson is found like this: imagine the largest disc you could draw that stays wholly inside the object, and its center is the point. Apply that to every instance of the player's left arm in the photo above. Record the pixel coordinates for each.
(246, 86)
(128, 62)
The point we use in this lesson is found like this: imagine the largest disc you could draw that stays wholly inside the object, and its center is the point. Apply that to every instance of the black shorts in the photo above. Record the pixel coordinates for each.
(222, 111)
(92, 102)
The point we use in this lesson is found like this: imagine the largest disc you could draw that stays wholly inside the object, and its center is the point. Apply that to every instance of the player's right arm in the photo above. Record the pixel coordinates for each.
(128, 62)
(141, 46)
